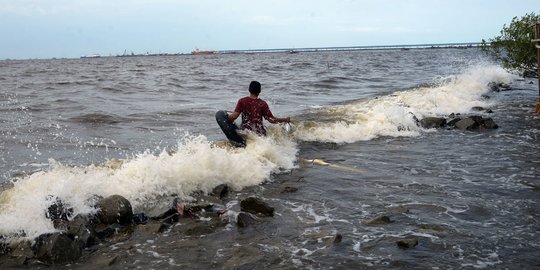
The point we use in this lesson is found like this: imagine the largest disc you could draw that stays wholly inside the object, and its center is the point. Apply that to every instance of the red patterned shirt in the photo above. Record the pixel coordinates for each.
(253, 111)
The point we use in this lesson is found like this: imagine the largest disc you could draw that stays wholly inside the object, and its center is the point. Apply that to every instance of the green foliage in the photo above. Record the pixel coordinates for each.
(514, 47)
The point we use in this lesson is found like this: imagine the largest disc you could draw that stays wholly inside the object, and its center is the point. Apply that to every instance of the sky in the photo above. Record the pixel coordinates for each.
(73, 28)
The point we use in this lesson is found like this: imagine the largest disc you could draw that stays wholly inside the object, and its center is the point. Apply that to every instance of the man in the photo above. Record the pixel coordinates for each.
(253, 110)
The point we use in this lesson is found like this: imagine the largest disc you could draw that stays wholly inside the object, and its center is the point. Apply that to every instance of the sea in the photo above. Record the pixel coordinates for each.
(352, 154)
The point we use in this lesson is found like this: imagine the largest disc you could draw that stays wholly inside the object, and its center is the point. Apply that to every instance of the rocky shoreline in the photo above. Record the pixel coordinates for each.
(114, 220)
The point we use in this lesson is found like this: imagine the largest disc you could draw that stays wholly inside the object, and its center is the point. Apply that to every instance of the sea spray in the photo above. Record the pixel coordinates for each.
(196, 165)
(395, 115)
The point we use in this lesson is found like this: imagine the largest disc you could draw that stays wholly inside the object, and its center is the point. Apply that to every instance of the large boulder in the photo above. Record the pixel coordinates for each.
(114, 209)
(57, 248)
(256, 206)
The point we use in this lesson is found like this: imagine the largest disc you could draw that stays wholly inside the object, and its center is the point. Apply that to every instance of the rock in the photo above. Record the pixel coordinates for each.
(407, 243)
(57, 248)
(433, 122)
(496, 87)
(256, 206)
(466, 124)
(478, 108)
(21, 251)
(489, 124)
(82, 229)
(110, 230)
(115, 209)
(245, 219)
(380, 220)
(220, 191)
(452, 123)
(337, 239)
(139, 218)
(476, 123)
(59, 210)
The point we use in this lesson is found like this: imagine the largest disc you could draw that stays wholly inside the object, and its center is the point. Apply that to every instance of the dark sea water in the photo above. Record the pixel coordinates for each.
(471, 199)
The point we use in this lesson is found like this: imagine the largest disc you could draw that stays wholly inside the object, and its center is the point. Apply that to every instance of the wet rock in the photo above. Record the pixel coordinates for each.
(481, 109)
(109, 230)
(407, 243)
(466, 124)
(452, 123)
(57, 248)
(496, 87)
(476, 123)
(256, 206)
(59, 210)
(139, 218)
(336, 239)
(115, 209)
(21, 251)
(220, 191)
(60, 224)
(433, 122)
(380, 220)
(82, 229)
(245, 220)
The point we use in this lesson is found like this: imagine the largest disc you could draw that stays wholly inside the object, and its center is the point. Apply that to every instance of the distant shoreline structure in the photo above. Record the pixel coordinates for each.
(463, 45)
(196, 52)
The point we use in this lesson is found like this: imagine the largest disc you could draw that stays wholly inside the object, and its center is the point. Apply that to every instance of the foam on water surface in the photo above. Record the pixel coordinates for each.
(197, 164)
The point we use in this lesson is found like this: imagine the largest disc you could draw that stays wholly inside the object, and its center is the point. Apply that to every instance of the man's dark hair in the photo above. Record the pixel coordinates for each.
(255, 88)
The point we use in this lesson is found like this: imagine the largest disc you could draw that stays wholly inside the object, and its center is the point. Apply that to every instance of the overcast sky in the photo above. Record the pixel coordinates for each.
(72, 28)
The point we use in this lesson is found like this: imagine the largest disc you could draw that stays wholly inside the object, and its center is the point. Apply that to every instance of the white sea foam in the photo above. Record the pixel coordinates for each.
(197, 164)
(393, 115)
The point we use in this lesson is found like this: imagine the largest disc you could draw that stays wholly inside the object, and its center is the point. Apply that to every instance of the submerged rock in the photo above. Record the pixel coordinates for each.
(256, 206)
(380, 220)
(115, 209)
(407, 243)
(245, 219)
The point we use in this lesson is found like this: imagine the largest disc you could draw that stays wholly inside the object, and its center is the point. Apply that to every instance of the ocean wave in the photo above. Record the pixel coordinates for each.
(196, 165)
(394, 115)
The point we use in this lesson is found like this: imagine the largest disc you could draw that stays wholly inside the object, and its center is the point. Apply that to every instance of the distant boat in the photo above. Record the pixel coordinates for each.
(197, 51)
(293, 51)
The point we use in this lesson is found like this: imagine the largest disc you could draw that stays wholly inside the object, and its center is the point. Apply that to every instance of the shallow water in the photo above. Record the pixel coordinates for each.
(470, 198)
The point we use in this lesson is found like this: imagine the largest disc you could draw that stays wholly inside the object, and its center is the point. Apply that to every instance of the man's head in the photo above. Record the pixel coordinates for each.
(255, 88)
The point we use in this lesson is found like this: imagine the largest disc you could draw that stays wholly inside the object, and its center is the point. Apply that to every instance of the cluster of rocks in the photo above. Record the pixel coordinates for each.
(471, 123)
(405, 243)
(114, 220)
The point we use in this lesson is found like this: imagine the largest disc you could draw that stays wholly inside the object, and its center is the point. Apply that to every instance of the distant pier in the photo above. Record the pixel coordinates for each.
(358, 48)
(313, 49)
